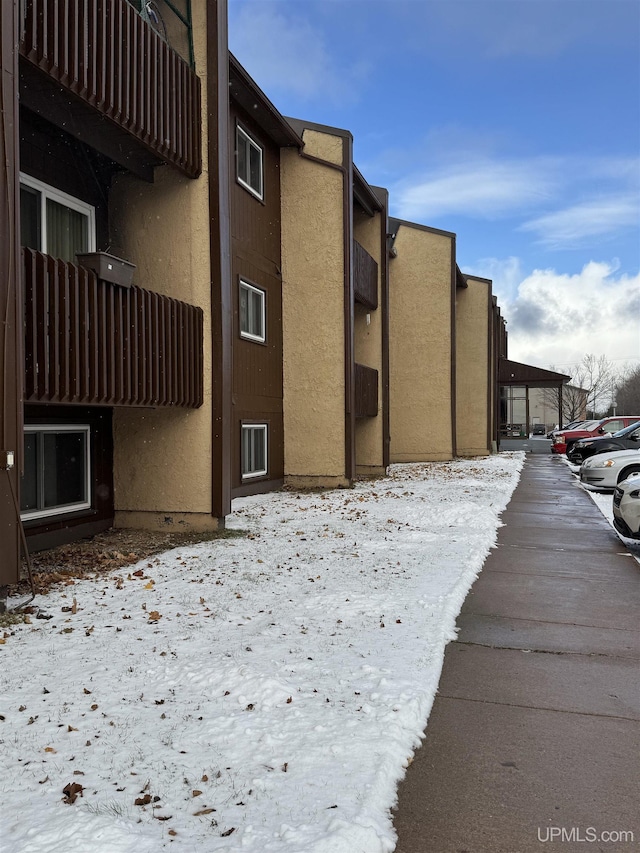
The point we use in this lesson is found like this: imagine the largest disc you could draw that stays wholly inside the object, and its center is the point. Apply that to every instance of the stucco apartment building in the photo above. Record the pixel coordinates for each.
(213, 298)
(446, 338)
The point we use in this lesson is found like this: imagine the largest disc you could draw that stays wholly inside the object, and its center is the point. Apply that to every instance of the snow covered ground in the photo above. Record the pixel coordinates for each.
(259, 693)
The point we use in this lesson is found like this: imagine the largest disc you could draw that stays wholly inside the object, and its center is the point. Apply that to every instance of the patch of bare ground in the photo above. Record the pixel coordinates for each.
(112, 549)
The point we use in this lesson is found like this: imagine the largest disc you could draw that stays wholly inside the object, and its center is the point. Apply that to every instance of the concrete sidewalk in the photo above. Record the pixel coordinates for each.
(533, 742)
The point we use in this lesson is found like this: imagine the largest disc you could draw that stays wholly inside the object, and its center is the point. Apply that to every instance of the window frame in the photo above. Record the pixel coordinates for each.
(253, 288)
(249, 141)
(29, 515)
(254, 426)
(60, 197)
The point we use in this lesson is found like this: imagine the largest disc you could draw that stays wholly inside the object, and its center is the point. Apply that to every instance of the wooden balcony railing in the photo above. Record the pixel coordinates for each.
(365, 277)
(108, 56)
(366, 389)
(95, 343)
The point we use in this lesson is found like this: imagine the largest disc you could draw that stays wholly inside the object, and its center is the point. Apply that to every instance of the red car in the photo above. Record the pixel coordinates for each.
(563, 441)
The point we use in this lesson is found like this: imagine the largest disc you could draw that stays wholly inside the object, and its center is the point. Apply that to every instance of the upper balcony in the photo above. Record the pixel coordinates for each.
(105, 74)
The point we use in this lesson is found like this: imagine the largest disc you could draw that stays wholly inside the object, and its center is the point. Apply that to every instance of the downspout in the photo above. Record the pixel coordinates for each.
(384, 273)
(349, 366)
(490, 371)
(454, 423)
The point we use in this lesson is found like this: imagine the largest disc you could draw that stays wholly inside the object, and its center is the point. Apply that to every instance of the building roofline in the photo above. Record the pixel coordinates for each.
(471, 277)
(395, 223)
(299, 125)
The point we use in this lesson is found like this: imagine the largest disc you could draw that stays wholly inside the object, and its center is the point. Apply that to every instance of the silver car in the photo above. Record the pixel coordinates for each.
(626, 508)
(606, 470)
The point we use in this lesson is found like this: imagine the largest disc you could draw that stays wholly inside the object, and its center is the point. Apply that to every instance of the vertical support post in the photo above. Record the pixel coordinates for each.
(560, 406)
(11, 368)
(220, 253)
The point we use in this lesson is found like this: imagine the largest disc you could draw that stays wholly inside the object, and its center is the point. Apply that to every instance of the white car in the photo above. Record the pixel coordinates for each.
(626, 508)
(606, 470)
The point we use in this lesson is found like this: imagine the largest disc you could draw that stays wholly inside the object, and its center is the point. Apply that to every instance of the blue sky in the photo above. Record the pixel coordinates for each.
(513, 123)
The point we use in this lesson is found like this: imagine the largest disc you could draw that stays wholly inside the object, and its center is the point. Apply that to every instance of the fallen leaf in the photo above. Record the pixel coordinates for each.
(71, 792)
(142, 801)
(196, 793)
(49, 749)
(203, 811)
(154, 616)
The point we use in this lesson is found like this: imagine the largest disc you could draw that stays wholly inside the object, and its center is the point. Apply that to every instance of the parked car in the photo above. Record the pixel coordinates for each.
(580, 430)
(626, 508)
(539, 429)
(571, 425)
(606, 470)
(564, 440)
(625, 439)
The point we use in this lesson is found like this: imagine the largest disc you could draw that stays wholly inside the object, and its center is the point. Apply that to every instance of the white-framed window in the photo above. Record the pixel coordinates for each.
(249, 163)
(252, 310)
(55, 222)
(254, 450)
(57, 469)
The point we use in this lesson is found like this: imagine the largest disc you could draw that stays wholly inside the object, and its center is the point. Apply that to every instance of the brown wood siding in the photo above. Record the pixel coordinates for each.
(47, 533)
(10, 299)
(94, 343)
(365, 277)
(105, 54)
(257, 367)
(366, 391)
(256, 223)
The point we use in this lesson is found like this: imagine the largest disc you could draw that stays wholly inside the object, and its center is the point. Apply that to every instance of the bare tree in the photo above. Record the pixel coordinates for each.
(628, 392)
(593, 382)
(597, 376)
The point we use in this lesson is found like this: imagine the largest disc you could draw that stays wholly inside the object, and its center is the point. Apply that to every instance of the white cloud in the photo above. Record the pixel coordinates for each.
(556, 318)
(571, 227)
(484, 189)
(285, 53)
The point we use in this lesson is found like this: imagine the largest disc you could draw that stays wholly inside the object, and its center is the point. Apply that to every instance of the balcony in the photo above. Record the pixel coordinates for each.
(366, 391)
(91, 342)
(365, 277)
(114, 66)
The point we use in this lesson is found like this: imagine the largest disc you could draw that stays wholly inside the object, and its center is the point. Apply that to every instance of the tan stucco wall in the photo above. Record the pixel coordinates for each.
(162, 457)
(325, 146)
(472, 368)
(367, 230)
(313, 320)
(420, 346)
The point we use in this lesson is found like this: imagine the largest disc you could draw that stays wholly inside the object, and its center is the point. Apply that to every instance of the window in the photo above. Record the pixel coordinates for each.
(53, 222)
(249, 163)
(252, 312)
(57, 470)
(254, 450)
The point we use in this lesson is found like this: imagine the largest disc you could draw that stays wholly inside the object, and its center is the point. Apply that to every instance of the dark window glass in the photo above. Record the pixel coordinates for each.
(55, 471)
(30, 230)
(64, 469)
(29, 485)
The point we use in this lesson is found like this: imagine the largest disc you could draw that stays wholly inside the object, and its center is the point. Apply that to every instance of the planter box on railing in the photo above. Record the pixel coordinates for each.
(108, 267)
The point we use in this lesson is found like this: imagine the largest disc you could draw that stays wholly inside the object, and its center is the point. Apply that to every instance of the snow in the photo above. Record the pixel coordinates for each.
(261, 693)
